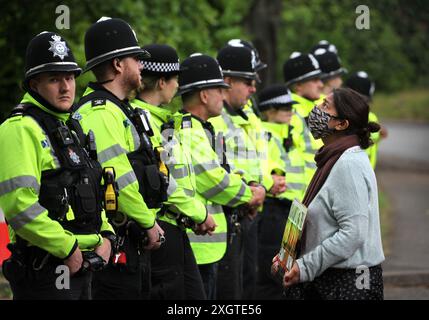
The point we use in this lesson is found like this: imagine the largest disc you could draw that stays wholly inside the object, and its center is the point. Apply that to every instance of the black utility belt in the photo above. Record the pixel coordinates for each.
(183, 221)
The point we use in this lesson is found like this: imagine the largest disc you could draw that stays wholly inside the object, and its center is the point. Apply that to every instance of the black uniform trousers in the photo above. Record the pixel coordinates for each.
(230, 268)
(175, 274)
(250, 256)
(123, 281)
(36, 275)
(208, 273)
(271, 227)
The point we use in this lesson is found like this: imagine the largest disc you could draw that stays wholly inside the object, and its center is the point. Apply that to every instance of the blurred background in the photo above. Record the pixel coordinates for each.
(394, 51)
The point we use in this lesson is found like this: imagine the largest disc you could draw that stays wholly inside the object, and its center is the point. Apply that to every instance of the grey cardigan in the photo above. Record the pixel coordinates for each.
(343, 225)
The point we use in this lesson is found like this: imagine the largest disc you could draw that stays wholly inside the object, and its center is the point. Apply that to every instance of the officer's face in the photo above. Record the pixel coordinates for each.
(282, 115)
(310, 89)
(214, 101)
(169, 88)
(132, 67)
(241, 90)
(331, 84)
(58, 88)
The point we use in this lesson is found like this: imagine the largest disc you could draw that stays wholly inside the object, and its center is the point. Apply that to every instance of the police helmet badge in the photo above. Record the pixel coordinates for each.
(58, 47)
(254, 62)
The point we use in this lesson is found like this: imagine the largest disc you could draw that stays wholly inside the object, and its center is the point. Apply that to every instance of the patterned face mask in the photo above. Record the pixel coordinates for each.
(318, 123)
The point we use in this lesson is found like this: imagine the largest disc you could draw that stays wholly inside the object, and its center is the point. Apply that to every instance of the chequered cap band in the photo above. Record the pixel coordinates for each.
(161, 66)
(283, 99)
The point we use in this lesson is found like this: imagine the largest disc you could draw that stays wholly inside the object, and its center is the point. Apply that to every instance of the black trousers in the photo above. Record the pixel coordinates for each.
(31, 277)
(209, 275)
(250, 256)
(122, 282)
(230, 269)
(175, 274)
(271, 227)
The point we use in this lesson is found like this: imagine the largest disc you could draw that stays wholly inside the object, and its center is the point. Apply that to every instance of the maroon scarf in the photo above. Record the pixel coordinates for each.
(325, 158)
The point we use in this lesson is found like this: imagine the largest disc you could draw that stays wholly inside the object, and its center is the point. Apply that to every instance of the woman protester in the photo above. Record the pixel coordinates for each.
(341, 249)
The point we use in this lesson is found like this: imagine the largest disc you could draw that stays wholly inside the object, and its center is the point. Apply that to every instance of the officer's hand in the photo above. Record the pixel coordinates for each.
(207, 227)
(74, 262)
(154, 235)
(279, 185)
(105, 250)
(258, 196)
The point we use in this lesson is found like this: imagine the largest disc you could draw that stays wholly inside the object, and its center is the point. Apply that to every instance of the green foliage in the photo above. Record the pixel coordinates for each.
(393, 51)
(405, 105)
(379, 50)
(189, 26)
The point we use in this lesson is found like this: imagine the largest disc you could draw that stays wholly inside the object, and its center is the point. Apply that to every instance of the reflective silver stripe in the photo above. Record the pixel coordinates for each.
(214, 209)
(126, 179)
(136, 137)
(113, 52)
(172, 186)
(292, 169)
(210, 81)
(310, 165)
(110, 153)
(217, 237)
(238, 196)
(203, 167)
(19, 182)
(217, 188)
(26, 216)
(189, 193)
(295, 185)
(53, 64)
(179, 173)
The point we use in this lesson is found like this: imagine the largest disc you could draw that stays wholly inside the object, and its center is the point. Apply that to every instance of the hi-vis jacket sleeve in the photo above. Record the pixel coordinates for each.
(23, 158)
(213, 182)
(110, 129)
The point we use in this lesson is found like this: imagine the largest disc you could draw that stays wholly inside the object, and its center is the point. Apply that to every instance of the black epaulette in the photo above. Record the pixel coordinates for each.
(186, 122)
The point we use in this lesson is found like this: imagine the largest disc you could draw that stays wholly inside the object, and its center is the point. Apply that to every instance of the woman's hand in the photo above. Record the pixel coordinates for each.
(292, 277)
(275, 266)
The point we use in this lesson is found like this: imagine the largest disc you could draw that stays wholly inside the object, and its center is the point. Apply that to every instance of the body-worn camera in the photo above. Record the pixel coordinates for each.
(92, 262)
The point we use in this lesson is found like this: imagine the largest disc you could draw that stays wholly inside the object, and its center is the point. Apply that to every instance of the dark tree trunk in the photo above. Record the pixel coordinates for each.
(263, 23)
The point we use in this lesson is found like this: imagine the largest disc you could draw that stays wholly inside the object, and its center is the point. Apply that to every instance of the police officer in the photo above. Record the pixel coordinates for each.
(274, 183)
(200, 85)
(275, 103)
(332, 71)
(238, 65)
(302, 74)
(360, 82)
(175, 272)
(114, 56)
(50, 188)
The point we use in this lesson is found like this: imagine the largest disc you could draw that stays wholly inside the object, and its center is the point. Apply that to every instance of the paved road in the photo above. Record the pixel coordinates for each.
(403, 174)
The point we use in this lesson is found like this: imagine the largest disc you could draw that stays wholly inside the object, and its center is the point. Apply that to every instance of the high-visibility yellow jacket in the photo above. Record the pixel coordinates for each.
(182, 184)
(26, 151)
(116, 137)
(375, 137)
(290, 164)
(241, 150)
(215, 186)
(306, 143)
(257, 134)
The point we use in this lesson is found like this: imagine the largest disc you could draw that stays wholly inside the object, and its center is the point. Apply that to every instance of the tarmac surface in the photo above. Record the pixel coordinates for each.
(403, 174)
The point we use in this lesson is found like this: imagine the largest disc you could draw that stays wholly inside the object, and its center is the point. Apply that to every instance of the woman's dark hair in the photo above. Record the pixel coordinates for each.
(353, 106)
